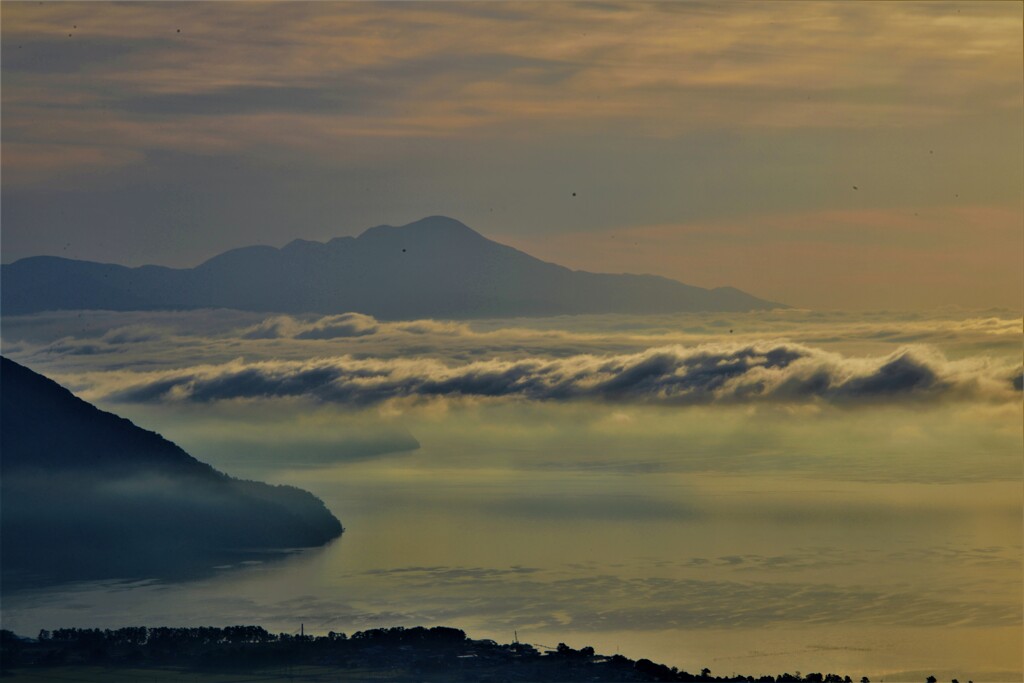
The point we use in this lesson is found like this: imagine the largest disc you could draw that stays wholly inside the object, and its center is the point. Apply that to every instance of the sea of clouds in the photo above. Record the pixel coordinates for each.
(788, 357)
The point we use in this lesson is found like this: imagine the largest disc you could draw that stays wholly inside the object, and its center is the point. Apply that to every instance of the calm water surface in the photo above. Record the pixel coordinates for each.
(887, 546)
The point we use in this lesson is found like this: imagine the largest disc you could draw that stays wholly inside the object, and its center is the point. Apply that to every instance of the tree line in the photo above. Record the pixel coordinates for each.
(415, 653)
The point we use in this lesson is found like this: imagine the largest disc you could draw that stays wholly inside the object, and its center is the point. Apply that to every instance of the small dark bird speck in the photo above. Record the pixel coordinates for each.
(855, 187)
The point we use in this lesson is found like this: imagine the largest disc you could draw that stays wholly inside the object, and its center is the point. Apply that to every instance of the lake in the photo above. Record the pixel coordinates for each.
(879, 539)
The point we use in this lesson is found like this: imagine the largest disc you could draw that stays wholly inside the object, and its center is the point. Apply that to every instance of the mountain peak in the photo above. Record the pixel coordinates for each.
(440, 223)
(433, 267)
(431, 226)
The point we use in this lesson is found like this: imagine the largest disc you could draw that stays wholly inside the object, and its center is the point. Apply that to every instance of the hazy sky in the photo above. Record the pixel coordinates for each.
(863, 155)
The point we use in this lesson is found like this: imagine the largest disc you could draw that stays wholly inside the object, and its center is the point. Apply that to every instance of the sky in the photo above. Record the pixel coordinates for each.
(824, 155)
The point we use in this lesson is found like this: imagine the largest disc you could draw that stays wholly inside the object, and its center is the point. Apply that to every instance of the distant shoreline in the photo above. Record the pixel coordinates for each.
(210, 654)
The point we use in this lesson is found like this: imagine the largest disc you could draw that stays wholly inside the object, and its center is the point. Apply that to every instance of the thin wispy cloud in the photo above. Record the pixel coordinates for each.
(167, 77)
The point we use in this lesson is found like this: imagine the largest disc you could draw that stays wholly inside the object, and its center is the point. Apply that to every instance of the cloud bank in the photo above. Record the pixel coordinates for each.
(779, 372)
(328, 327)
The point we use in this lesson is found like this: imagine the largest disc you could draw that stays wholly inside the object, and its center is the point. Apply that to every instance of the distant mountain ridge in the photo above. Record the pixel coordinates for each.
(434, 267)
(87, 494)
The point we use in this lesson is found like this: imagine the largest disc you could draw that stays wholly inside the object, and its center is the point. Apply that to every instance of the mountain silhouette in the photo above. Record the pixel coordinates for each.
(434, 267)
(87, 494)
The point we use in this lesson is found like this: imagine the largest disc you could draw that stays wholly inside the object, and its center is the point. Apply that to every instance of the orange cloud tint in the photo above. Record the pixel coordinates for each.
(829, 259)
(446, 69)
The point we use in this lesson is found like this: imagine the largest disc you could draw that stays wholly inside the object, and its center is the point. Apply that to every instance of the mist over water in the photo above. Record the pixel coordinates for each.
(879, 538)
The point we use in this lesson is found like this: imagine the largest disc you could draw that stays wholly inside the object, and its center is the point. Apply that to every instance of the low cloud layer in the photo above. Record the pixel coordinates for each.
(85, 341)
(328, 327)
(780, 372)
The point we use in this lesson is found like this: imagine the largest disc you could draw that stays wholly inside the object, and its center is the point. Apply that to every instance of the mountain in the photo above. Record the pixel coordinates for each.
(435, 267)
(87, 494)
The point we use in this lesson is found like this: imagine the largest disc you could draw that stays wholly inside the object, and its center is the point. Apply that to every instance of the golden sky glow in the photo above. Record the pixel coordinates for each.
(726, 140)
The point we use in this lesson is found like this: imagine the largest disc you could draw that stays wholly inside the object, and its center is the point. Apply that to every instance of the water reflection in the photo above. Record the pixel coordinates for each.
(140, 570)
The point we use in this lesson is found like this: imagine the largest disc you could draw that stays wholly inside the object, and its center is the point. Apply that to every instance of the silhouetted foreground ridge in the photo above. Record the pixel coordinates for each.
(402, 654)
(87, 494)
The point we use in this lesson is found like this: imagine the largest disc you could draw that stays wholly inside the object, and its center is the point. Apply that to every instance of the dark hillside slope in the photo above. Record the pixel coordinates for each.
(87, 494)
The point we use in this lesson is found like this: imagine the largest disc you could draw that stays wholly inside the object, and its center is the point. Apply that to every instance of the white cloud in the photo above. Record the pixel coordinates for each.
(720, 373)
